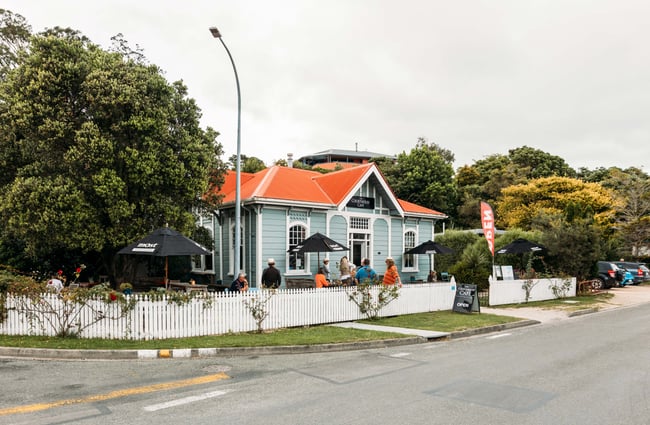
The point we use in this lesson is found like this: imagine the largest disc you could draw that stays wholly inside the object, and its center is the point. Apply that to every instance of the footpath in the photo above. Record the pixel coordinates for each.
(622, 297)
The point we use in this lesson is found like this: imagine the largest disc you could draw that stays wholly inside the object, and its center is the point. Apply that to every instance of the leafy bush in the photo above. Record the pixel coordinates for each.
(372, 298)
(458, 241)
(474, 265)
(8, 279)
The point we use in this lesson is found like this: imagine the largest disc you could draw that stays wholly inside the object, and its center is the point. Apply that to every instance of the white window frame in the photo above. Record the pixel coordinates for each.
(231, 248)
(414, 266)
(305, 263)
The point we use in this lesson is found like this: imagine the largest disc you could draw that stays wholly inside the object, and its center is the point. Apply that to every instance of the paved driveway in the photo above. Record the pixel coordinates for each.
(622, 297)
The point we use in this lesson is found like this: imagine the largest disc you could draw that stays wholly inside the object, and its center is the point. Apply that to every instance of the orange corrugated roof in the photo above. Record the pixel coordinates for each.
(291, 184)
(417, 209)
(297, 185)
(230, 181)
(338, 184)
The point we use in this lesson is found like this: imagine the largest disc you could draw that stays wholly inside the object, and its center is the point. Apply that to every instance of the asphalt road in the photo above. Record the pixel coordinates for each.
(590, 369)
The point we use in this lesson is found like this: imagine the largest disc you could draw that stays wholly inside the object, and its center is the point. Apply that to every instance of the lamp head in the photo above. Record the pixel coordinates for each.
(215, 32)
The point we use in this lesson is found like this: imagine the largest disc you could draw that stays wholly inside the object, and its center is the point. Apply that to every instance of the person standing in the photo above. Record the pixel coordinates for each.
(240, 284)
(391, 277)
(326, 269)
(344, 268)
(365, 273)
(271, 277)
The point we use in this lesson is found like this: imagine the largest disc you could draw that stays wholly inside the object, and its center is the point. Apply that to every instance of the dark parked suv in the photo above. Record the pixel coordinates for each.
(639, 271)
(609, 275)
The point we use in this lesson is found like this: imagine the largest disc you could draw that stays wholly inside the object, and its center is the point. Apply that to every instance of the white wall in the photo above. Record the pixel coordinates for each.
(512, 291)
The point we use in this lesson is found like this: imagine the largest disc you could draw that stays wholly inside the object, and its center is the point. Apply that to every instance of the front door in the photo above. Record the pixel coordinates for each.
(359, 245)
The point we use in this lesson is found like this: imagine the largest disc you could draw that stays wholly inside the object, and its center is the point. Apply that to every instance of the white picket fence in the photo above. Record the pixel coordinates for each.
(221, 313)
(512, 291)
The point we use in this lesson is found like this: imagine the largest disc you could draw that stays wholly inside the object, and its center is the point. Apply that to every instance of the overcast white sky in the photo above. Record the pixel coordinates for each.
(569, 77)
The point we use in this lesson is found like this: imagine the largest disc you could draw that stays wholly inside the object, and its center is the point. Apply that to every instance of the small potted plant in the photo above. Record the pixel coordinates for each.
(126, 288)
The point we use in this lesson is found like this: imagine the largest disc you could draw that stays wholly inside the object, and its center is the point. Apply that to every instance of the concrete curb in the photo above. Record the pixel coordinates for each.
(48, 353)
(190, 353)
(194, 353)
(583, 312)
(494, 328)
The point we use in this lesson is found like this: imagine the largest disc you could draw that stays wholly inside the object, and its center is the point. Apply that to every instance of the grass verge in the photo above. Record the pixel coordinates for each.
(443, 321)
(295, 336)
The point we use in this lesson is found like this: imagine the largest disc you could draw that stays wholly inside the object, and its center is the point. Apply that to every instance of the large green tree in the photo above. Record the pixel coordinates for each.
(14, 38)
(249, 164)
(97, 149)
(632, 190)
(486, 178)
(573, 243)
(423, 176)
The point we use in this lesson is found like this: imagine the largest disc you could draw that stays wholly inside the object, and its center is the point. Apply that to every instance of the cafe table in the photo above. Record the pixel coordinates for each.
(188, 287)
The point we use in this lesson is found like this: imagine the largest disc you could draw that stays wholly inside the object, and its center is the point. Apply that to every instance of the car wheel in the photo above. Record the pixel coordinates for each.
(597, 284)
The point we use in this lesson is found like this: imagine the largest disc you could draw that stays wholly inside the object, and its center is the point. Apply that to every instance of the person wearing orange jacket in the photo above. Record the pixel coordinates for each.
(320, 279)
(391, 277)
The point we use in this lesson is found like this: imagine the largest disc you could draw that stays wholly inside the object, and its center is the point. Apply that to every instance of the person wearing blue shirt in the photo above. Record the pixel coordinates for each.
(365, 273)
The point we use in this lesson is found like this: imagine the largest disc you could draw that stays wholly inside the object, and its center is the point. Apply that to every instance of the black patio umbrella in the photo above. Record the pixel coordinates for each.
(318, 243)
(164, 242)
(429, 247)
(521, 246)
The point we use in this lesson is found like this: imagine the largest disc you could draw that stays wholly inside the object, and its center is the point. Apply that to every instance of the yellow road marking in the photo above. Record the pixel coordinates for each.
(115, 394)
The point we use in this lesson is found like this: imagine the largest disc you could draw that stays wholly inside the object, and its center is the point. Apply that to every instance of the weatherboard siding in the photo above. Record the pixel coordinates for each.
(379, 244)
(338, 232)
(317, 223)
(274, 237)
(396, 241)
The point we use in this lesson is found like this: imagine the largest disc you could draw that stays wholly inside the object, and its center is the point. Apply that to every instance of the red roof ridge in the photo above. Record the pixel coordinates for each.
(338, 184)
(267, 178)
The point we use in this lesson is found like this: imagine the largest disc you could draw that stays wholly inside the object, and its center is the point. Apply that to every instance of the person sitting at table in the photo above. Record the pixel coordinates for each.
(55, 284)
(320, 279)
(240, 284)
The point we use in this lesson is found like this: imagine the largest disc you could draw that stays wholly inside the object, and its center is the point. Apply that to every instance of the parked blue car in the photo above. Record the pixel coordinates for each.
(639, 271)
(628, 278)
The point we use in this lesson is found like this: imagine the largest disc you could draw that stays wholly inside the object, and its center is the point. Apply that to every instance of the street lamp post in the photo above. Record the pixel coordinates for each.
(216, 34)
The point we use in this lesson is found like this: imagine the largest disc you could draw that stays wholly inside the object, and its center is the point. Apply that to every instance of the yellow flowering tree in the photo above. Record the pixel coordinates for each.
(519, 205)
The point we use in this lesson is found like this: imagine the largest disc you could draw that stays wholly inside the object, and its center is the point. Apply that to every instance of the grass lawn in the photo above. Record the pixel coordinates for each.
(295, 336)
(580, 302)
(444, 321)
